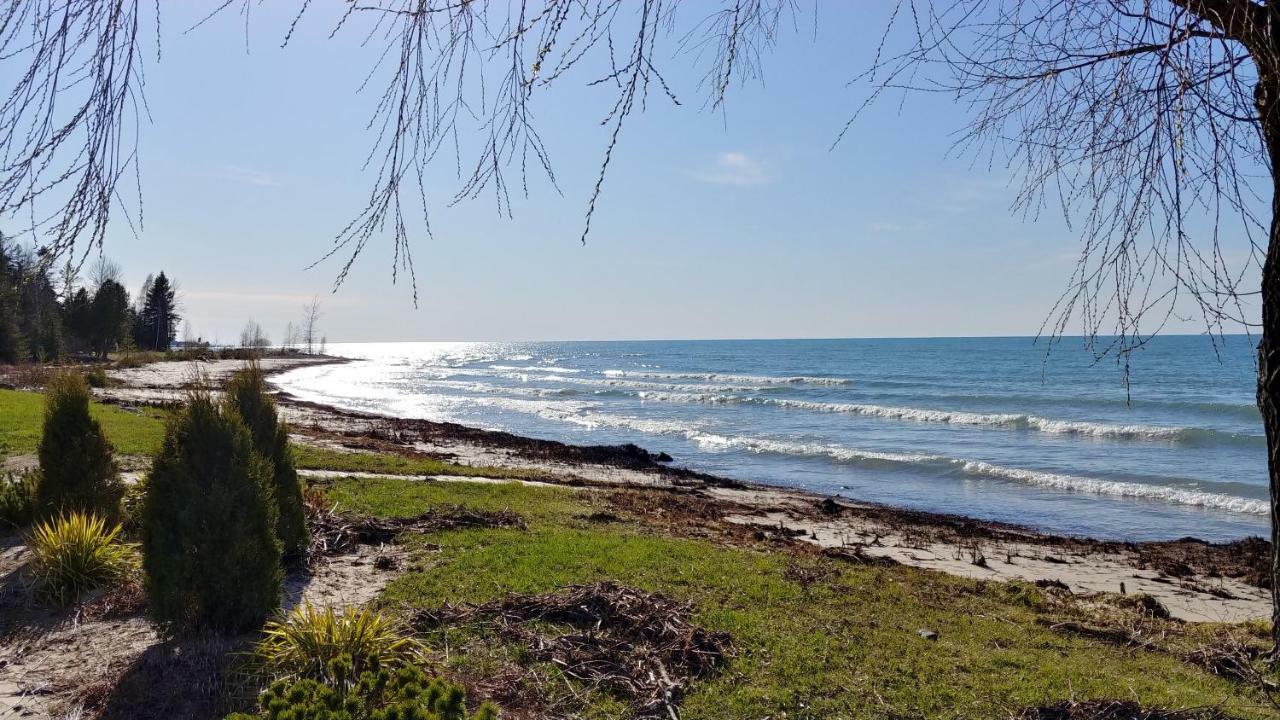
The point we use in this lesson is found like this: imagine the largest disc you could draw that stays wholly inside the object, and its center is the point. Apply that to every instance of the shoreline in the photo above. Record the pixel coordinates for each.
(633, 453)
(1198, 580)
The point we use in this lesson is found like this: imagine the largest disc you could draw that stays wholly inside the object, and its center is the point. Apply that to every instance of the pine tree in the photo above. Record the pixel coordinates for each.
(12, 343)
(157, 324)
(247, 395)
(210, 552)
(78, 318)
(39, 314)
(77, 467)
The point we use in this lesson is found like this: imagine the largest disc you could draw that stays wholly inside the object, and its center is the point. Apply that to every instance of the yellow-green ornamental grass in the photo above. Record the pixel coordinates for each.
(302, 643)
(75, 553)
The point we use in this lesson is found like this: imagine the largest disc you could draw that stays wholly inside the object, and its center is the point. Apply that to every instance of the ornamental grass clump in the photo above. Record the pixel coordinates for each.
(305, 642)
(209, 545)
(77, 466)
(75, 553)
(247, 394)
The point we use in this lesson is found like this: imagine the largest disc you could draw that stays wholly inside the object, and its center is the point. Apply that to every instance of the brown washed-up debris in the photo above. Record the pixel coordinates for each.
(639, 646)
(1114, 710)
(857, 555)
(335, 533)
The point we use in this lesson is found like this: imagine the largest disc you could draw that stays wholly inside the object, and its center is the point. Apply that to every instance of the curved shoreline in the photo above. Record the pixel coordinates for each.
(1197, 579)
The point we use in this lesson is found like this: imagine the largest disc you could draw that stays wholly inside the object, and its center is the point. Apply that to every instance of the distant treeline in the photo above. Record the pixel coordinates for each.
(47, 313)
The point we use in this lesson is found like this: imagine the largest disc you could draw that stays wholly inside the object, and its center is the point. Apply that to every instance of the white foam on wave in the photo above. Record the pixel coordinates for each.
(1047, 480)
(1179, 496)
(1009, 420)
(727, 377)
(1017, 421)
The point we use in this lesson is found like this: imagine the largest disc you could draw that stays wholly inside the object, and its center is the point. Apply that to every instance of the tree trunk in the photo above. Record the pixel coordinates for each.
(1269, 345)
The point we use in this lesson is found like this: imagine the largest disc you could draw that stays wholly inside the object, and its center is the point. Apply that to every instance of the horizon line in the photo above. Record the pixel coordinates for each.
(1034, 338)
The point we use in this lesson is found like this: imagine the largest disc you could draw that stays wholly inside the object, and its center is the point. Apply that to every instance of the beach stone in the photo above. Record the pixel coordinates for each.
(927, 634)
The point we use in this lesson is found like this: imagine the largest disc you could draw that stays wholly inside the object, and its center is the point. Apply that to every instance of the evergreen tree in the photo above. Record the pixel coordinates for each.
(109, 317)
(39, 315)
(157, 324)
(209, 547)
(77, 468)
(12, 344)
(78, 317)
(247, 395)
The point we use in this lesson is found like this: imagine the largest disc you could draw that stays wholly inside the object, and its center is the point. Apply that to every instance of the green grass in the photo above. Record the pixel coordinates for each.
(22, 418)
(141, 433)
(845, 647)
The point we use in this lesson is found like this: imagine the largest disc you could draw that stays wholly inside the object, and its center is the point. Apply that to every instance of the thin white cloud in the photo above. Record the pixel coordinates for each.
(734, 168)
(246, 175)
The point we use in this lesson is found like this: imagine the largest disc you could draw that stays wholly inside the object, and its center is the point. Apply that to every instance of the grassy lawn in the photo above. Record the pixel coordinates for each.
(845, 646)
(22, 416)
(142, 432)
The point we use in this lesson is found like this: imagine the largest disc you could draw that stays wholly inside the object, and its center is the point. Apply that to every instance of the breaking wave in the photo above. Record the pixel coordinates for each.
(1016, 421)
(726, 377)
(1052, 481)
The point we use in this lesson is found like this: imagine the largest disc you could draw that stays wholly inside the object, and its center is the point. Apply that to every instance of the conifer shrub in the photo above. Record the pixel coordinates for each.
(247, 394)
(17, 499)
(77, 468)
(210, 553)
(378, 693)
(75, 553)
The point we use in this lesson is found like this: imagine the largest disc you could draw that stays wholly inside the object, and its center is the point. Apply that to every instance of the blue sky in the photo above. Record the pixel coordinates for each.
(737, 224)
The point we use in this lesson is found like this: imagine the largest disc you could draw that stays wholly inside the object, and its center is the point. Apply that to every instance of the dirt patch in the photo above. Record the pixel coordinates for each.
(639, 646)
(671, 505)
(1114, 710)
(191, 677)
(334, 533)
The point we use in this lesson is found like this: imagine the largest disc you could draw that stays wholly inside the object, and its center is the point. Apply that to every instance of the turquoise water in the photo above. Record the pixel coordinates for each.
(987, 427)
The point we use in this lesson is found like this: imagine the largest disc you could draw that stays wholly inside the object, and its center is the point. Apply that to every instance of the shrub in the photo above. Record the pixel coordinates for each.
(77, 470)
(308, 639)
(247, 394)
(405, 693)
(17, 499)
(75, 553)
(210, 552)
(97, 378)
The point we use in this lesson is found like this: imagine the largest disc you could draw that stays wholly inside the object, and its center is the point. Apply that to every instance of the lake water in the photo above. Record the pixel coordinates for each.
(986, 427)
